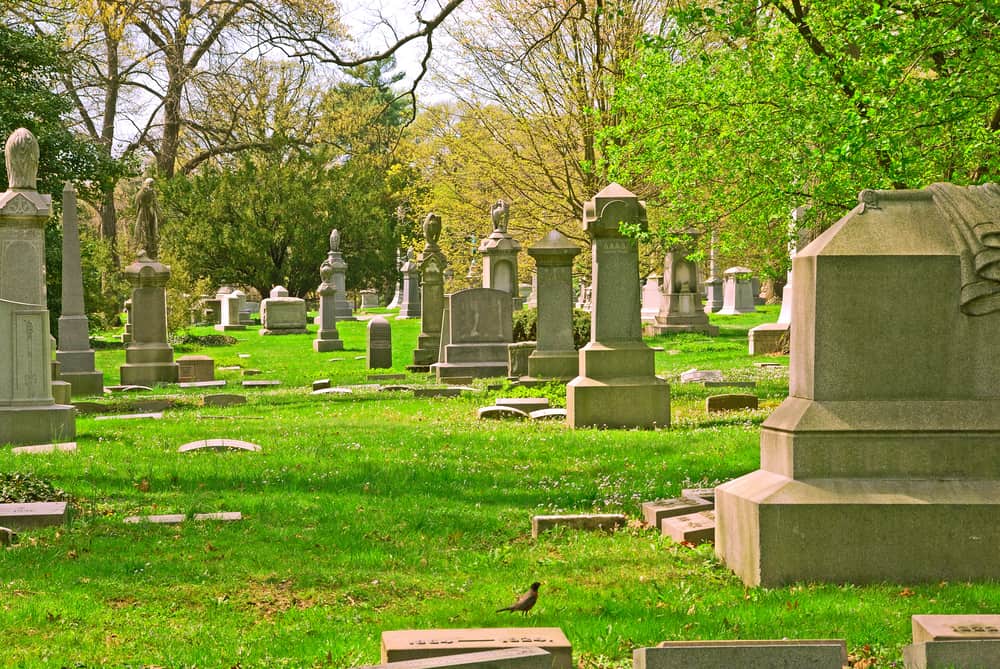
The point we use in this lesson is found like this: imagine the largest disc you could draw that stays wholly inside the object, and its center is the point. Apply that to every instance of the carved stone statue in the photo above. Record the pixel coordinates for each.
(147, 221)
(432, 229)
(21, 153)
(335, 240)
(501, 215)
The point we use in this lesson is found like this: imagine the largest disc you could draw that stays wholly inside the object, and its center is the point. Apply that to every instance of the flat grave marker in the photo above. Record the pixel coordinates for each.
(154, 415)
(581, 521)
(692, 528)
(400, 645)
(654, 512)
(218, 445)
(260, 384)
(728, 654)
(223, 400)
(731, 402)
(506, 658)
(500, 413)
(20, 516)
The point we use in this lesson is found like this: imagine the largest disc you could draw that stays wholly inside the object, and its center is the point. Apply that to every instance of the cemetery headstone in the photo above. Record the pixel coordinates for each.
(651, 298)
(338, 278)
(223, 400)
(555, 355)
(432, 265)
(369, 298)
(500, 413)
(28, 412)
(518, 355)
(211, 310)
(126, 335)
(25, 515)
(532, 300)
(655, 512)
(726, 654)
(499, 251)
(616, 386)
(327, 338)
(737, 295)
(281, 314)
(730, 402)
(402, 645)
(230, 303)
(195, 368)
(409, 307)
(692, 528)
(892, 422)
(475, 335)
(714, 298)
(74, 354)
(379, 352)
(680, 308)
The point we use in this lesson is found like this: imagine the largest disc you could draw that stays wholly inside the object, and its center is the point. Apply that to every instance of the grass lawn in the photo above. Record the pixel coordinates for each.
(377, 511)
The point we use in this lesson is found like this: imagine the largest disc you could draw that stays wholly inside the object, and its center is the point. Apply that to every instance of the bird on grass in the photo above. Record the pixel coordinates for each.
(526, 601)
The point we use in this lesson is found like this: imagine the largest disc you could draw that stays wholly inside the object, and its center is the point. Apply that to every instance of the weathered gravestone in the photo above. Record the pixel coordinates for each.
(369, 298)
(192, 368)
(24, 515)
(327, 338)
(281, 314)
(402, 645)
(883, 464)
(954, 642)
(338, 279)
(74, 354)
(506, 658)
(581, 521)
(737, 294)
(555, 355)
(476, 330)
(680, 308)
(729, 654)
(432, 265)
(379, 352)
(499, 251)
(409, 306)
(28, 412)
(616, 386)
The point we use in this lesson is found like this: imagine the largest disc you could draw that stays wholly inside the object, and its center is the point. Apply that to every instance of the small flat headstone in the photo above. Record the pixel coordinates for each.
(656, 349)
(320, 384)
(218, 383)
(582, 521)
(154, 415)
(8, 537)
(160, 519)
(386, 377)
(458, 380)
(230, 368)
(21, 516)
(505, 658)
(768, 364)
(151, 405)
(654, 512)
(228, 516)
(335, 390)
(696, 375)
(730, 402)
(555, 413)
(398, 388)
(437, 392)
(693, 528)
(707, 494)
(90, 407)
(731, 384)
(359, 357)
(527, 404)
(955, 627)
(335, 360)
(408, 645)
(260, 384)
(219, 445)
(812, 653)
(133, 389)
(243, 355)
(223, 400)
(500, 413)
(67, 446)
(252, 372)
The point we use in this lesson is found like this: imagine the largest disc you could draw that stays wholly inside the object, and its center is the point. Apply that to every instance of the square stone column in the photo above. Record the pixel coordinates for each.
(616, 385)
(432, 265)
(555, 355)
(28, 412)
(883, 464)
(149, 359)
(328, 338)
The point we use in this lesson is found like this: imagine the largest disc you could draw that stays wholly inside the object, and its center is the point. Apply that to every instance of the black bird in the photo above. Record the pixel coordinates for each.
(526, 601)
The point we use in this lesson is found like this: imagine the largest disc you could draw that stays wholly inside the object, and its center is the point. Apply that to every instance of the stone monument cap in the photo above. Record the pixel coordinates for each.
(279, 291)
(736, 271)
(554, 243)
(21, 154)
(603, 213)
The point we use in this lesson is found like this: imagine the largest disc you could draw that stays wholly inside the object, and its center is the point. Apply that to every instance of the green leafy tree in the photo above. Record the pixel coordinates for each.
(747, 110)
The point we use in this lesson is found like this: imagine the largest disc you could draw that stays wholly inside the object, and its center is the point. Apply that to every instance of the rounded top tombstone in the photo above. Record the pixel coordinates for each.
(21, 154)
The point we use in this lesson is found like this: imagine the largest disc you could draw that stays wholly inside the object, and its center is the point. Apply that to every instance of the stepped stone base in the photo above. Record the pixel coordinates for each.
(49, 424)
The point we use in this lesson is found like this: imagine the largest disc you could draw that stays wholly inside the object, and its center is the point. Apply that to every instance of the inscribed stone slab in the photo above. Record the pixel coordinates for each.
(155, 415)
(32, 514)
(160, 519)
(507, 658)
(654, 512)
(227, 516)
(583, 521)
(399, 645)
(954, 627)
(730, 402)
(527, 404)
(218, 444)
(694, 375)
(68, 446)
(693, 528)
(499, 413)
(437, 392)
(548, 414)
(958, 654)
(260, 384)
(337, 390)
(783, 654)
(202, 384)
(223, 400)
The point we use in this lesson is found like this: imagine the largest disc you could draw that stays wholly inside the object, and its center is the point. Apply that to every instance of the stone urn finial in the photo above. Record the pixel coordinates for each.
(335, 240)
(21, 153)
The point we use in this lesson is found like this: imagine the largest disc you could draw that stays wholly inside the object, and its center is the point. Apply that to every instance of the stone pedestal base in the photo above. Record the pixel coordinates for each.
(475, 361)
(84, 383)
(149, 365)
(49, 424)
(689, 324)
(62, 392)
(773, 531)
(326, 345)
(555, 365)
(426, 353)
(615, 389)
(769, 338)
(227, 328)
(266, 331)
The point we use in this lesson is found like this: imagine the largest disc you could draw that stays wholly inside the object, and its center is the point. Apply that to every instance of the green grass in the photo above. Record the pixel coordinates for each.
(378, 511)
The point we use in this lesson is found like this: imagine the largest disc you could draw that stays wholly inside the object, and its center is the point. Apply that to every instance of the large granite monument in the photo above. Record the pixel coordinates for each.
(883, 464)
(680, 308)
(28, 412)
(555, 355)
(76, 358)
(149, 359)
(476, 328)
(432, 265)
(327, 337)
(345, 310)
(409, 307)
(499, 251)
(737, 292)
(281, 314)
(616, 385)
